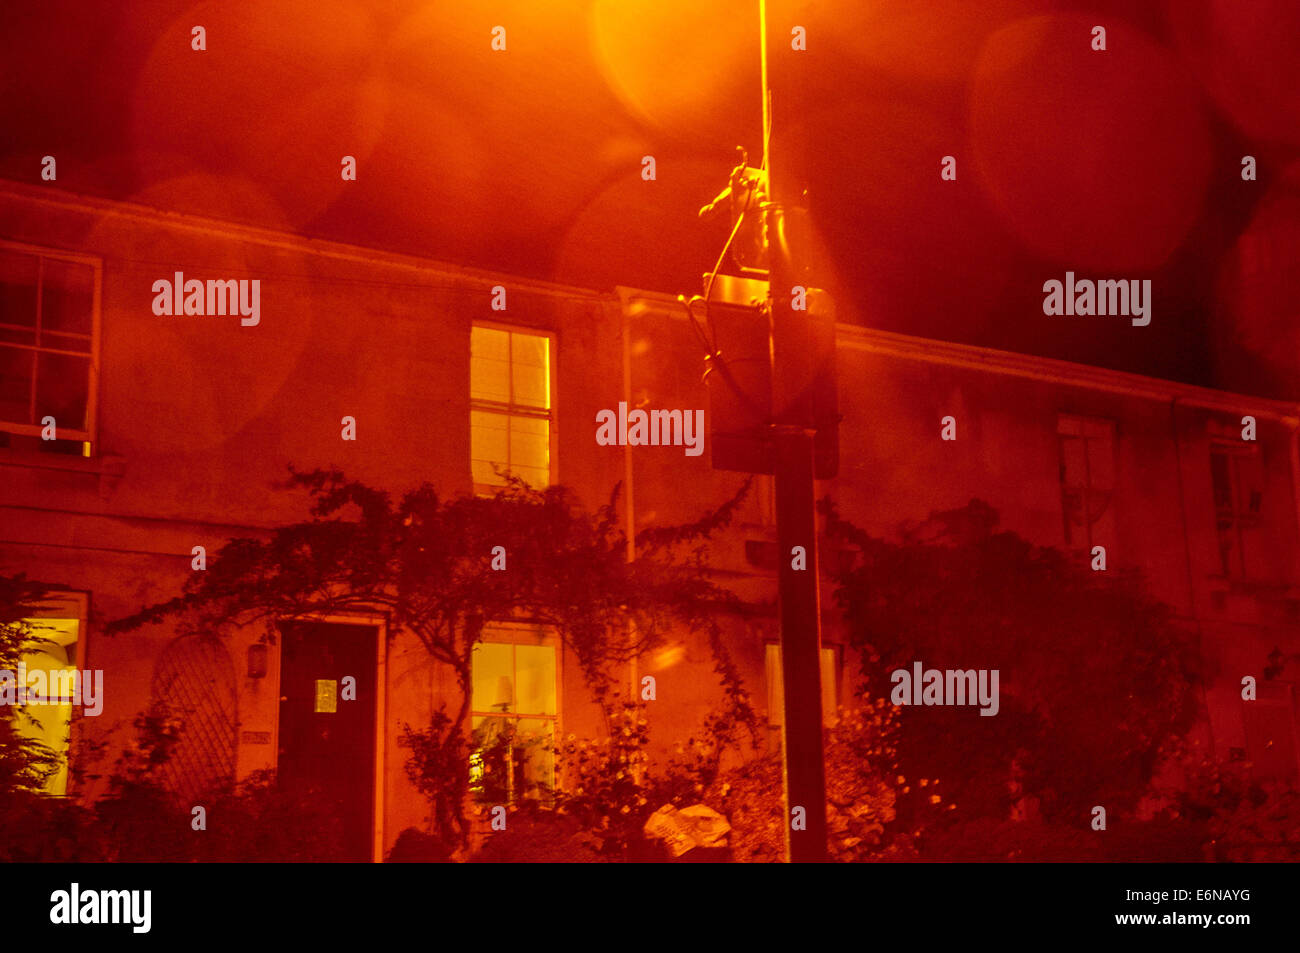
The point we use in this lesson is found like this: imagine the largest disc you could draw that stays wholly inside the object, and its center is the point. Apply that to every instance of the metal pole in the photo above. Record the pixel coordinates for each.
(805, 772)
(796, 521)
(767, 100)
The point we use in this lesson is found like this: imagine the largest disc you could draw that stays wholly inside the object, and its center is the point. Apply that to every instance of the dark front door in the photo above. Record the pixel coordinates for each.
(327, 728)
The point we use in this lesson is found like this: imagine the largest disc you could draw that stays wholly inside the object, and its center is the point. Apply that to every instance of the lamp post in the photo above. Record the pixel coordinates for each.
(793, 437)
(773, 410)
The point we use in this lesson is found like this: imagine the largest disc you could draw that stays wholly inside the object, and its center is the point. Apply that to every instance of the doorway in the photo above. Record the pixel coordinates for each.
(327, 749)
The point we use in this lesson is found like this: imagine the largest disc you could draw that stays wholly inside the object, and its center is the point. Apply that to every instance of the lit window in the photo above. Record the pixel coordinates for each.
(1237, 480)
(510, 419)
(776, 691)
(1087, 469)
(46, 720)
(47, 349)
(513, 715)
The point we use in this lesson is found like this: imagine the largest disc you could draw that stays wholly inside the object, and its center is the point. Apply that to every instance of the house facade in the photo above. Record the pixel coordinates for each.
(142, 417)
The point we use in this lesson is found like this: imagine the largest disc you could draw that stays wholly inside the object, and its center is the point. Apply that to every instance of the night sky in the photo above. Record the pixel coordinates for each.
(1117, 164)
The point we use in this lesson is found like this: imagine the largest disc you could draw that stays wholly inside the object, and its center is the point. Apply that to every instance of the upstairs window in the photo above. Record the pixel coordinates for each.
(1087, 470)
(1237, 479)
(510, 418)
(48, 337)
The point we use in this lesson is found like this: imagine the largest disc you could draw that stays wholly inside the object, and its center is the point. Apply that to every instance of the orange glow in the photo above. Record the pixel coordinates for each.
(676, 65)
(1070, 141)
(668, 657)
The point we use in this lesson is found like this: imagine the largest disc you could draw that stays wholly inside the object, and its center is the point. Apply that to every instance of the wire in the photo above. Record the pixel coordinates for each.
(717, 266)
(713, 275)
(710, 352)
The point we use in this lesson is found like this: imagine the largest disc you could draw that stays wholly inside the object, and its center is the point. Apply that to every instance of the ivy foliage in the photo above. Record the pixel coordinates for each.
(1097, 677)
(25, 764)
(426, 562)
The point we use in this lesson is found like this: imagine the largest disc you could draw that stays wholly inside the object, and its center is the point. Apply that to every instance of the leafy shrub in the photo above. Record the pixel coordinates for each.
(536, 834)
(418, 847)
(1241, 818)
(139, 820)
(607, 791)
(436, 766)
(872, 812)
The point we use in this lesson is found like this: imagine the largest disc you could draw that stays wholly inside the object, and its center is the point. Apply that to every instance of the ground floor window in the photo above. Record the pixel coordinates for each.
(514, 714)
(53, 653)
(776, 691)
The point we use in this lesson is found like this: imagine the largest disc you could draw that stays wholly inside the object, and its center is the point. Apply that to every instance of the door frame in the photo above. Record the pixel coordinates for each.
(380, 625)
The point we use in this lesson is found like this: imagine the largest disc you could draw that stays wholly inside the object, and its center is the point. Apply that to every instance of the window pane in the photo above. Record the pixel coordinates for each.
(775, 688)
(1101, 463)
(531, 370)
(492, 671)
(830, 697)
(535, 679)
(489, 443)
(484, 473)
(535, 758)
(1222, 480)
(489, 365)
(511, 758)
(1250, 483)
(18, 289)
(489, 343)
(1073, 472)
(488, 380)
(491, 750)
(67, 299)
(1097, 429)
(534, 477)
(776, 684)
(16, 385)
(530, 448)
(62, 384)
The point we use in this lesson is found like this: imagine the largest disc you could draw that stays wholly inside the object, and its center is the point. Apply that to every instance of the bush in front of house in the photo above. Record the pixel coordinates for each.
(418, 847)
(872, 812)
(1240, 818)
(139, 820)
(610, 790)
(536, 834)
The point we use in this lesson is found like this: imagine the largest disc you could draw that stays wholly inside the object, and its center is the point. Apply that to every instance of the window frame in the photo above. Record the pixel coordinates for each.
(1082, 421)
(517, 632)
(830, 653)
(1241, 519)
(90, 435)
(509, 409)
(68, 604)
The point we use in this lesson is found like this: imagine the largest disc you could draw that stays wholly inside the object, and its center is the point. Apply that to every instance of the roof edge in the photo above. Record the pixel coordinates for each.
(255, 234)
(1015, 364)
